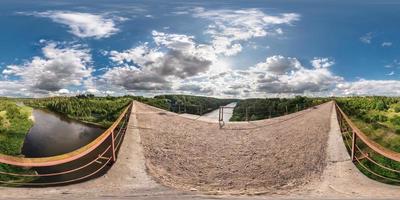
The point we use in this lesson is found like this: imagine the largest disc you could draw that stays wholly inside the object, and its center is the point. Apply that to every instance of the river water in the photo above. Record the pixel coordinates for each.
(53, 134)
(227, 113)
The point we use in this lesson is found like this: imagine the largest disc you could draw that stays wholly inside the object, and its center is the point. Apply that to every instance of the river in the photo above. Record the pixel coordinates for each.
(227, 113)
(53, 134)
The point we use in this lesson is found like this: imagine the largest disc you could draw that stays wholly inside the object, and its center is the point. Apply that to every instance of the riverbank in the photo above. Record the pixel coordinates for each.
(15, 123)
(99, 111)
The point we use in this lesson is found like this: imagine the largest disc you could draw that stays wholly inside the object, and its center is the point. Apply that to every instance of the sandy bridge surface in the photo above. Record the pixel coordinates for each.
(167, 156)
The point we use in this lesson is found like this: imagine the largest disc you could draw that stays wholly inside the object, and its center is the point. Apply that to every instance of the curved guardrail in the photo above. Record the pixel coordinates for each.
(366, 153)
(81, 164)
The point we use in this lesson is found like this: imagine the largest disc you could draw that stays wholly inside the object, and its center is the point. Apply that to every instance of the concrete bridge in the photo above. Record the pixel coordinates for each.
(168, 156)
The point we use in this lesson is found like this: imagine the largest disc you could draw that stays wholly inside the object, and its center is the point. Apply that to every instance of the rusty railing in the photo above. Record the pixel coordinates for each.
(76, 166)
(368, 155)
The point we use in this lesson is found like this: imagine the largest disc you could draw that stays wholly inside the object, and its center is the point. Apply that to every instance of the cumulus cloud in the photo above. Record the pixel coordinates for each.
(287, 75)
(132, 78)
(195, 88)
(175, 57)
(278, 65)
(369, 87)
(83, 24)
(230, 27)
(59, 68)
(277, 76)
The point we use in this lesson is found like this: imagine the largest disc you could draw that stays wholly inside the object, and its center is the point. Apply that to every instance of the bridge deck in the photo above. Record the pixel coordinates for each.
(260, 156)
(127, 179)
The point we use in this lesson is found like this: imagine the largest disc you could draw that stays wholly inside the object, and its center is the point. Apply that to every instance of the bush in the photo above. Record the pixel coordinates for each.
(381, 106)
(397, 130)
(395, 120)
(396, 108)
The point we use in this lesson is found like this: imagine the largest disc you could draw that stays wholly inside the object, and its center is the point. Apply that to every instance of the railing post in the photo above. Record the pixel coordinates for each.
(219, 114)
(222, 115)
(353, 146)
(113, 146)
(247, 114)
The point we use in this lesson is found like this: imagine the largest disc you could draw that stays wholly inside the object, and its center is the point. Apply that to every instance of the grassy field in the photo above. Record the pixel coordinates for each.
(15, 123)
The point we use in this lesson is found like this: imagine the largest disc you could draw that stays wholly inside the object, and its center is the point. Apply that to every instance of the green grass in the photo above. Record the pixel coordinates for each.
(14, 125)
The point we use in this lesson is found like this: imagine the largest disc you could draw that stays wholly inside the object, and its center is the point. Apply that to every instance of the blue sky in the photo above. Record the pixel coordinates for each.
(223, 49)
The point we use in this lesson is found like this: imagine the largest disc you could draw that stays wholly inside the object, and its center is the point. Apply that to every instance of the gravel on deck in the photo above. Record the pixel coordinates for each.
(258, 157)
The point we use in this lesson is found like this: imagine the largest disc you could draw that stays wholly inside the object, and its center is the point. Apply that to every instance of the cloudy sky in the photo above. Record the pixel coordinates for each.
(223, 49)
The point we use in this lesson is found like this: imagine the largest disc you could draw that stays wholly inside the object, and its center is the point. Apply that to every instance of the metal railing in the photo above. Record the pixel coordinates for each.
(371, 158)
(76, 166)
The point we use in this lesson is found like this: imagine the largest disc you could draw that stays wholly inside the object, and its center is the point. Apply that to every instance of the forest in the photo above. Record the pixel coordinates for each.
(197, 105)
(379, 119)
(102, 111)
(257, 109)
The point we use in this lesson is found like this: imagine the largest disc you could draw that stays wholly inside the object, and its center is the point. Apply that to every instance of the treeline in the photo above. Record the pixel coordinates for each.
(257, 109)
(102, 111)
(197, 105)
(379, 117)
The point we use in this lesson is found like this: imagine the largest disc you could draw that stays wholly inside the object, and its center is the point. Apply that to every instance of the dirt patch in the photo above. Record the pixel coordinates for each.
(265, 156)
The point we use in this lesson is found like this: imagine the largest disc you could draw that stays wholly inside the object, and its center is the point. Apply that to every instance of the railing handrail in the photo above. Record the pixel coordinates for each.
(67, 157)
(370, 143)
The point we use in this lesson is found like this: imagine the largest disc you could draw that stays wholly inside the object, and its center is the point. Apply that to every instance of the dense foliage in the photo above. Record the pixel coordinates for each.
(257, 109)
(379, 119)
(192, 104)
(98, 110)
(14, 125)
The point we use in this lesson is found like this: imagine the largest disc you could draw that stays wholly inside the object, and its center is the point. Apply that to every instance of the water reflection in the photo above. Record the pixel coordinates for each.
(53, 135)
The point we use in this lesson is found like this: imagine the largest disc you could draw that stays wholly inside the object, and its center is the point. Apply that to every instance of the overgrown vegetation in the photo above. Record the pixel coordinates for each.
(15, 123)
(197, 105)
(256, 109)
(379, 119)
(102, 111)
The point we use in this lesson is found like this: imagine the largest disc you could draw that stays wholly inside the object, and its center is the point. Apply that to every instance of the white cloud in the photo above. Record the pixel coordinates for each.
(367, 38)
(132, 78)
(369, 87)
(175, 57)
(277, 76)
(278, 65)
(230, 27)
(13, 88)
(390, 73)
(386, 44)
(286, 75)
(322, 62)
(59, 68)
(83, 24)
(63, 91)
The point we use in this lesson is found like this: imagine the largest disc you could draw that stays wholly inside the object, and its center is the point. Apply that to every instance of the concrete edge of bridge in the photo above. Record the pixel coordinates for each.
(342, 179)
